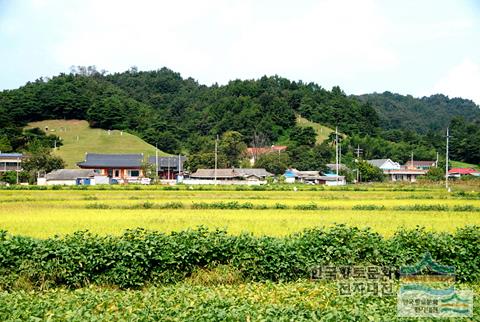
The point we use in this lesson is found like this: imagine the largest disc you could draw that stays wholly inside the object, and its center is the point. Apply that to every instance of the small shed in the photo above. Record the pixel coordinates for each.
(69, 177)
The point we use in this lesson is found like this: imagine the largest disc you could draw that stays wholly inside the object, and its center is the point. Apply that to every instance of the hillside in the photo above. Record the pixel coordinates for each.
(181, 116)
(322, 131)
(78, 138)
(458, 164)
(433, 113)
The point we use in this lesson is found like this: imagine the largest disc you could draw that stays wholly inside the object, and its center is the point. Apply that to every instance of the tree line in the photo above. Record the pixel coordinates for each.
(179, 115)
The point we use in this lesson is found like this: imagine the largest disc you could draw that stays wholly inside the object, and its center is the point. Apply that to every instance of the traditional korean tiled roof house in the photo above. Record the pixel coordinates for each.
(116, 166)
(231, 174)
(168, 167)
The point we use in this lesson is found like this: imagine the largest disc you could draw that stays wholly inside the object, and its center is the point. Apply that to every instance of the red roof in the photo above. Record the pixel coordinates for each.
(265, 150)
(462, 171)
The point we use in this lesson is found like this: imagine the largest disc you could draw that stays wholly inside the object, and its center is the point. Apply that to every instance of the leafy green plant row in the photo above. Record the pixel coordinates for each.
(139, 257)
(249, 205)
(206, 205)
(267, 187)
(455, 208)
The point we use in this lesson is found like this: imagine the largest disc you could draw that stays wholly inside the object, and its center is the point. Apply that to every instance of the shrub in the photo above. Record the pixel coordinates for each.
(368, 207)
(139, 257)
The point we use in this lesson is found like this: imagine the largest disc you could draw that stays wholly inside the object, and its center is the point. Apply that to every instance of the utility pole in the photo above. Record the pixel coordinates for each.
(168, 168)
(18, 162)
(156, 161)
(336, 153)
(216, 160)
(358, 151)
(446, 161)
(179, 165)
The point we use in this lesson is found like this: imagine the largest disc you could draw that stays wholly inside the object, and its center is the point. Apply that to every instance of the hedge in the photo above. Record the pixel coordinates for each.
(140, 257)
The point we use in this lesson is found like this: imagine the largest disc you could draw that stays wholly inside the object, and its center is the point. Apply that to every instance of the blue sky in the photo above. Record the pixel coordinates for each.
(411, 47)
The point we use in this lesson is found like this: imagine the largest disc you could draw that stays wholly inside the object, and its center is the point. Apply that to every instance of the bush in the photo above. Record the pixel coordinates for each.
(140, 257)
(368, 207)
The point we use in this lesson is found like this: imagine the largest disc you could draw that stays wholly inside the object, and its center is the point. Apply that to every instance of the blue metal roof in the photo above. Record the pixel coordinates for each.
(11, 155)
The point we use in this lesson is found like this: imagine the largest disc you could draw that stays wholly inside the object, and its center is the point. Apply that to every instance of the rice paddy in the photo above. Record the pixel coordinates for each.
(47, 213)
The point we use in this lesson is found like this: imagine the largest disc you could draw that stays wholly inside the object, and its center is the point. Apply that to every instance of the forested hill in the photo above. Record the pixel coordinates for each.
(163, 108)
(182, 116)
(419, 114)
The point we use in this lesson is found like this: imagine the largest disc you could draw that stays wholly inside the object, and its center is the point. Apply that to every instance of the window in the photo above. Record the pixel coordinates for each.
(117, 173)
(134, 173)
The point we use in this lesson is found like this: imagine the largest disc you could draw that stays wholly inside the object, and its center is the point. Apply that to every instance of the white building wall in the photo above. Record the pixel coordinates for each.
(225, 182)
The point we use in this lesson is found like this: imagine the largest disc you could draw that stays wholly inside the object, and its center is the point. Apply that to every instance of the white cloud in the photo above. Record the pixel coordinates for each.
(361, 45)
(216, 41)
(462, 80)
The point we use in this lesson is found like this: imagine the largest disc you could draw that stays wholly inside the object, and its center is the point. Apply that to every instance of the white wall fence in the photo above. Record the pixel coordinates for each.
(224, 182)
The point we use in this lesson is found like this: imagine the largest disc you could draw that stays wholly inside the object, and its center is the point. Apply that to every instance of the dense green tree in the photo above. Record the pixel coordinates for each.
(303, 135)
(420, 115)
(9, 177)
(305, 158)
(435, 174)
(232, 147)
(275, 163)
(177, 113)
(41, 161)
(5, 145)
(369, 173)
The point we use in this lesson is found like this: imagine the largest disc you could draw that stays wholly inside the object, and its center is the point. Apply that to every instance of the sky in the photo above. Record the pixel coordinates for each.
(417, 47)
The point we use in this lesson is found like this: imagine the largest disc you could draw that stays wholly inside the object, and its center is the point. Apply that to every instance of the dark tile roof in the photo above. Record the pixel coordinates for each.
(69, 174)
(96, 160)
(171, 161)
(231, 173)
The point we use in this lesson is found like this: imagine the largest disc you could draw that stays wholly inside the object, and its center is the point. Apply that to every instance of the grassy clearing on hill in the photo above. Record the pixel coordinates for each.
(78, 138)
(458, 164)
(322, 131)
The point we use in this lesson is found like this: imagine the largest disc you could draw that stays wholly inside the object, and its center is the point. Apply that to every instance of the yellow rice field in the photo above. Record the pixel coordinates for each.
(58, 212)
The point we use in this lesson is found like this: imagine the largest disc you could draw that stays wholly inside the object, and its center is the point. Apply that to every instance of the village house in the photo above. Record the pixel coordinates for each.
(420, 165)
(385, 164)
(121, 167)
(461, 172)
(404, 174)
(249, 176)
(395, 172)
(68, 177)
(313, 177)
(11, 162)
(254, 153)
(168, 167)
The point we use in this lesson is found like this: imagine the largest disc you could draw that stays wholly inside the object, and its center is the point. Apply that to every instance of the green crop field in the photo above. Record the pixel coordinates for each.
(78, 138)
(255, 268)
